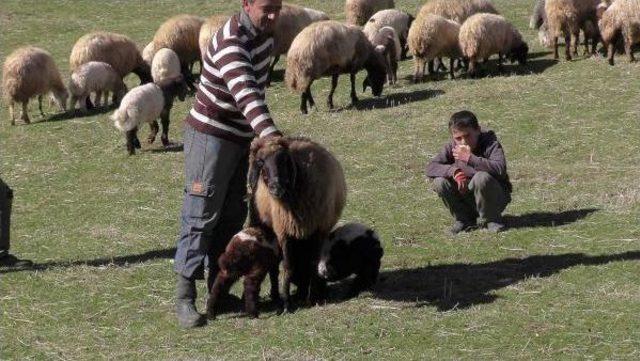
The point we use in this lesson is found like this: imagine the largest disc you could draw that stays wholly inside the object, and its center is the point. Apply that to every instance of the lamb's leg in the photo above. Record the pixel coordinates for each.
(252, 292)
(12, 112)
(334, 84)
(40, 105)
(611, 51)
(154, 131)
(273, 279)
(220, 288)
(164, 118)
(628, 49)
(451, 68)
(354, 97)
(25, 113)
(554, 42)
(567, 47)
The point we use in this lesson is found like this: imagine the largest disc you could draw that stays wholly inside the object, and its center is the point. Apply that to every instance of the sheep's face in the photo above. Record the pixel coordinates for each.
(376, 74)
(60, 97)
(275, 166)
(519, 53)
(345, 245)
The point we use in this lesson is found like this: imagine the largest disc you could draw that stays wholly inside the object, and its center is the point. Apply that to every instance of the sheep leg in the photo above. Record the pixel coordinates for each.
(220, 287)
(188, 77)
(154, 131)
(98, 98)
(252, 292)
(354, 97)
(12, 112)
(567, 47)
(164, 118)
(273, 65)
(611, 51)
(576, 41)
(132, 141)
(273, 279)
(473, 63)
(628, 49)
(334, 84)
(285, 292)
(105, 98)
(40, 105)
(451, 69)
(25, 113)
(418, 73)
(500, 67)
(394, 68)
(430, 67)
(554, 41)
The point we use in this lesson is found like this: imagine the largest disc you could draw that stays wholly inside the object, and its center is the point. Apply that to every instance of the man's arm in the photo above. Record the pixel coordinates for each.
(237, 71)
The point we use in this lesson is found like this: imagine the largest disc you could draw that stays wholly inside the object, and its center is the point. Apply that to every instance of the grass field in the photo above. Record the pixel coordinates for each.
(562, 283)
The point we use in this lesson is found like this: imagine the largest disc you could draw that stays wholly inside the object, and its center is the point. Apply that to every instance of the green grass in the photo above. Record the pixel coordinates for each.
(562, 285)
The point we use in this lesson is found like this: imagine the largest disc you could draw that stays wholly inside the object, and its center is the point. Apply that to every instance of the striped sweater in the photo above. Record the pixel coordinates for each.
(230, 101)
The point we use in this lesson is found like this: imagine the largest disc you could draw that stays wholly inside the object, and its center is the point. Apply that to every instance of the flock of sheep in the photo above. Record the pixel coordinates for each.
(375, 37)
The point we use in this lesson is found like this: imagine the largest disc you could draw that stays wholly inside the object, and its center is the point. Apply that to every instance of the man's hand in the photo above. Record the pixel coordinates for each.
(461, 180)
(462, 152)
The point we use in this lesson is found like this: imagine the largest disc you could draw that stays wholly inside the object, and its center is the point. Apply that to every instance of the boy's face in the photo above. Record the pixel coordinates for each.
(263, 13)
(466, 136)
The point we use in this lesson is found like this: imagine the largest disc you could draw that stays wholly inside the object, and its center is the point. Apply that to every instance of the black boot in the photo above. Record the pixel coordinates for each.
(188, 316)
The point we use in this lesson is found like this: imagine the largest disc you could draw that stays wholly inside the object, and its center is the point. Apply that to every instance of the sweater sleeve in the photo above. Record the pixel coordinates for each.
(236, 69)
(442, 165)
(494, 163)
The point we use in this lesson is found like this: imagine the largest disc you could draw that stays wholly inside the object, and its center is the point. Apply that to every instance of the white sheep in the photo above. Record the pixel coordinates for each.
(430, 37)
(27, 72)
(97, 77)
(483, 35)
(331, 48)
(566, 18)
(620, 21)
(400, 21)
(359, 11)
(145, 104)
(165, 64)
(457, 10)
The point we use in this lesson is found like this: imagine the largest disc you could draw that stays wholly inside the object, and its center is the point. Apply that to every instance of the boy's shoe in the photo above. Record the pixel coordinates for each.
(9, 260)
(460, 226)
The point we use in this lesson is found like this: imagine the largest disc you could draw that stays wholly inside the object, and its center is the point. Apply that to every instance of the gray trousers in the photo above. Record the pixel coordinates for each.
(214, 207)
(6, 200)
(485, 199)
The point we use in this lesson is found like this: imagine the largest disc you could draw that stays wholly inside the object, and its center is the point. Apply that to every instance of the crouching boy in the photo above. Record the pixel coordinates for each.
(470, 175)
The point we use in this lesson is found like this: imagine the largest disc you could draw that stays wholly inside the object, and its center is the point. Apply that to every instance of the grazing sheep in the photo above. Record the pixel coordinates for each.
(620, 21)
(387, 44)
(29, 72)
(539, 16)
(430, 37)
(359, 11)
(566, 18)
(457, 10)
(208, 29)
(181, 34)
(331, 48)
(298, 190)
(290, 23)
(352, 248)
(145, 104)
(483, 35)
(398, 20)
(166, 64)
(252, 253)
(114, 49)
(98, 77)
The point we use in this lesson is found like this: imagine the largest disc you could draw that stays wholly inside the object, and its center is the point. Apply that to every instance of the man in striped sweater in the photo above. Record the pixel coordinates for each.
(229, 110)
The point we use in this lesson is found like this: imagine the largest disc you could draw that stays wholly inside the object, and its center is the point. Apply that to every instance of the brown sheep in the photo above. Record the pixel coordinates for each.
(430, 37)
(252, 253)
(359, 11)
(29, 72)
(181, 34)
(114, 49)
(332, 48)
(566, 18)
(298, 190)
(619, 21)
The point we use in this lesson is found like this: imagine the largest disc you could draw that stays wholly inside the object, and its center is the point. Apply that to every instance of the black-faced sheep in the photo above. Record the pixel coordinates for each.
(165, 64)
(457, 10)
(331, 48)
(252, 253)
(145, 104)
(430, 37)
(398, 20)
(95, 77)
(114, 49)
(208, 29)
(483, 35)
(387, 44)
(566, 18)
(298, 190)
(352, 248)
(290, 23)
(359, 11)
(29, 72)
(620, 21)
(181, 34)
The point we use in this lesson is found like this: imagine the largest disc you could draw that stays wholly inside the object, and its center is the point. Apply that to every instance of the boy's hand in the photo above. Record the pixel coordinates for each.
(462, 152)
(461, 180)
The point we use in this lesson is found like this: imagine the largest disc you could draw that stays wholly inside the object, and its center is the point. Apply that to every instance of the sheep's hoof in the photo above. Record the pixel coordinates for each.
(151, 139)
(611, 62)
(165, 141)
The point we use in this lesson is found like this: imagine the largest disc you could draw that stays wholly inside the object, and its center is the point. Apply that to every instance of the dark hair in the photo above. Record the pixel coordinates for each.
(463, 119)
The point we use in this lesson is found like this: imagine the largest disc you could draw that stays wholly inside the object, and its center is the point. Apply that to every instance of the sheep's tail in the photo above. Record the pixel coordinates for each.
(295, 77)
(122, 120)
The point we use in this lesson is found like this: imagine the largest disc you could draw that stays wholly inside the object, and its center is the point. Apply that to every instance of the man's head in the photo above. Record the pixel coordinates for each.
(263, 14)
(464, 129)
